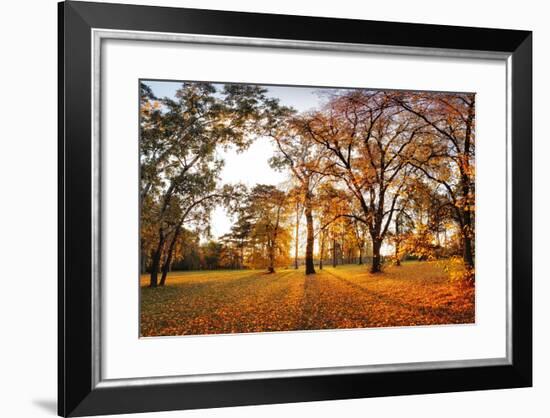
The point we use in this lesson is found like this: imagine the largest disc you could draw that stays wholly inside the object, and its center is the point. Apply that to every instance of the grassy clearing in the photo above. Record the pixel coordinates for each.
(230, 301)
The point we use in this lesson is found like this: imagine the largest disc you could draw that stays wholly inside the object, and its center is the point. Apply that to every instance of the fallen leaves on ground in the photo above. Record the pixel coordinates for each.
(239, 301)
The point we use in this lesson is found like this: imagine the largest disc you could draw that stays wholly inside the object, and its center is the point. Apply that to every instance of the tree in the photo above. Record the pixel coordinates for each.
(333, 207)
(179, 168)
(211, 255)
(303, 158)
(267, 206)
(368, 141)
(186, 255)
(198, 211)
(295, 200)
(451, 160)
(240, 235)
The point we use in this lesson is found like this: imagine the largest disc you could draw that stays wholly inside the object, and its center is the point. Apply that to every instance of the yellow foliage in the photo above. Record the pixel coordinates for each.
(457, 272)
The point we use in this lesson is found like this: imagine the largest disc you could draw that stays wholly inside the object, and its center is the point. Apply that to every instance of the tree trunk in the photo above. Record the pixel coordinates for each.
(342, 249)
(360, 255)
(271, 257)
(165, 269)
(322, 251)
(143, 262)
(241, 258)
(397, 257)
(155, 262)
(468, 251)
(397, 238)
(297, 231)
(376, 262)
(333, 252)
(467, 229)
(310, 268)
(142, 257)
(273, 243)
(168, 261)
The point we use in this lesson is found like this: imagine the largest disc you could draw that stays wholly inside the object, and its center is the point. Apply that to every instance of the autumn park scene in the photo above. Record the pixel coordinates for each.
(284, 208)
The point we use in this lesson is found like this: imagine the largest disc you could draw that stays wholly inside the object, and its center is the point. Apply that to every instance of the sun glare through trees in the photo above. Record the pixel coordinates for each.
(279, 208)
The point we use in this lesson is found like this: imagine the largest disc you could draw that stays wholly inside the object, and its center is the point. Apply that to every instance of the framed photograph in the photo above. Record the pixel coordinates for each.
(262, 209)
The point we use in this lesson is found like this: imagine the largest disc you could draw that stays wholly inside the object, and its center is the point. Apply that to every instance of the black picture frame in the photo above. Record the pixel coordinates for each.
(77, 393)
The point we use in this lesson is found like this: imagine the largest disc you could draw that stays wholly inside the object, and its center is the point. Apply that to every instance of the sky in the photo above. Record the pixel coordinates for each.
(301, 98)
(251, 166)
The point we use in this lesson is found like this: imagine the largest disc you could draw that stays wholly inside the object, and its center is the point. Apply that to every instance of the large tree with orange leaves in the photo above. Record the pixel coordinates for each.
(369, 142)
